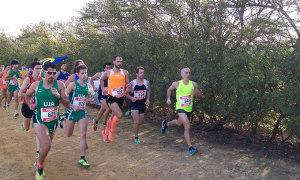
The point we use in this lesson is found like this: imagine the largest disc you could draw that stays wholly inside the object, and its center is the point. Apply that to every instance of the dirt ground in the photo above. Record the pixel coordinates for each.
(158, 157)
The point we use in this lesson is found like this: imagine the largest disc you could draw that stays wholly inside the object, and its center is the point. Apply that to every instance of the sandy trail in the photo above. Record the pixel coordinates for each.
(158, 157)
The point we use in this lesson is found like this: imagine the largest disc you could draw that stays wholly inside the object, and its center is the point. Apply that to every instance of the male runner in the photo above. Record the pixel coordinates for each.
(139, 94)
(3, 86)
(23, 74)
(36, 68)
(104, 109)
(77, 111)
(185, 92)
(13, 85)
(62, 74)
(48, 94)
(117, 80)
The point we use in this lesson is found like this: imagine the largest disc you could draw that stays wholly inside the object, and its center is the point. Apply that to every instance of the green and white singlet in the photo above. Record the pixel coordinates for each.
(78, 99)
(47, 107)
(13, 84)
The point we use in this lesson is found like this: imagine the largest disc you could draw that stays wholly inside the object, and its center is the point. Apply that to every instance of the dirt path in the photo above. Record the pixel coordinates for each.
(158, 157)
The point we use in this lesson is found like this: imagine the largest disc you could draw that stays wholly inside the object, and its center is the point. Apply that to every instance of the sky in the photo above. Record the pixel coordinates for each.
(17, 14)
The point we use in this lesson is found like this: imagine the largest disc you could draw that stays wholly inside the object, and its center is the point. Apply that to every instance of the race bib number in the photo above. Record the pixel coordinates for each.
(80, 102)
(49, 114)
(118, 92)
(140, 94)
(13, 82)
(185, 100)
(104, 93)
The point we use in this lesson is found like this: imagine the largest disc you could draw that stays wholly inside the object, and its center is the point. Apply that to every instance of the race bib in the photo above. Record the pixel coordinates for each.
(4, 82)
(49, 114)
(13, 82)
(140, 94)
(80, 102)
(104, 93)
(185, 100)
(118, 92)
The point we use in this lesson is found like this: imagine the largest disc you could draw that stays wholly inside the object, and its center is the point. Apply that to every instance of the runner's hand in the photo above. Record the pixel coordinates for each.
(147, 102)
(105, 90)
(91, 100)
(95, 89)
(133, 99)
(75, 108)
(32, 106)
(55, 92)
(168, 101)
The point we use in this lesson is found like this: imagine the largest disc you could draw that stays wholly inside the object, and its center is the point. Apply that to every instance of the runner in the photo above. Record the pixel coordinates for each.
(77, 111)
(104, 109)
(3, 86)
(185, 92)
(62, 74)
(36, 68)
(139, 97)
(117, 80)
(48, 94)
(13, 86)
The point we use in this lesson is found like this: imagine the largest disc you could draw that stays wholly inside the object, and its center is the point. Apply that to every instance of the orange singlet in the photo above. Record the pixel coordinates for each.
(116, 83)
(3, 82)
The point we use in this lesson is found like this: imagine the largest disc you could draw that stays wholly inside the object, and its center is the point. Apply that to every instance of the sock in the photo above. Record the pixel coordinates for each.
(114, 123)
(107, 129)
(39, 165)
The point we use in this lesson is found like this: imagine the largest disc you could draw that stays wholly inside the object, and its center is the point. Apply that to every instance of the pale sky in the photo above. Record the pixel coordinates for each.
(17, 14)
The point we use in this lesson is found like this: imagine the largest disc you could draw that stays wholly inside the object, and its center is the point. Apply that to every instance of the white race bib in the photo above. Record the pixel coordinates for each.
(185, 100)
(80, 102)
(140, 94)
(118, 92)
(13, 82)
(49, 114)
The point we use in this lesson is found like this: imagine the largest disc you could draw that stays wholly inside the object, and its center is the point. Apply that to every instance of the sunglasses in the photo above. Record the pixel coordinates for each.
(49, 72)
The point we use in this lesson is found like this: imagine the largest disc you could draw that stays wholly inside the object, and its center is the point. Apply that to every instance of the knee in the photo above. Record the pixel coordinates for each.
(46, 147)
(83, 135)
(187, 126)
(119, 115)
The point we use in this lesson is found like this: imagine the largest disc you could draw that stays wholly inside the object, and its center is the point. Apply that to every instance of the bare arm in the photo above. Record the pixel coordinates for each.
(7, 78)
(126, 78)
(127, 92)
(70, 88)
(196, 92)
(170, 89)
(30, 92)
(96, 76)
(70, 79)
(148, 93)
(23, 87)
(64, 98)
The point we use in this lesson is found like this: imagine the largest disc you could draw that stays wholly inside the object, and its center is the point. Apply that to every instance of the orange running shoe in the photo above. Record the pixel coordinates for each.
(105, 137)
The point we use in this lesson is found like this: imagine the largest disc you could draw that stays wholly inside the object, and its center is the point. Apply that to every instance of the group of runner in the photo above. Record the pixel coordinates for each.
(43, 95)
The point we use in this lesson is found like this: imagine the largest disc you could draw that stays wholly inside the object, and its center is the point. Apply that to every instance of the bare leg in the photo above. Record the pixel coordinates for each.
(44, 139)
(136, 120)
(68, 126)
(82, 125)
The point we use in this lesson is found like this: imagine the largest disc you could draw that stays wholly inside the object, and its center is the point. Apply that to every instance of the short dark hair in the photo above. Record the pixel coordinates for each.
(138, 69)
(7, 65)
(106, 64)
(49, 65)
(76, 63)
(63, 63)
(115, 57)
(36, 59)
(80, 67)
(13, 62)
(35, 63)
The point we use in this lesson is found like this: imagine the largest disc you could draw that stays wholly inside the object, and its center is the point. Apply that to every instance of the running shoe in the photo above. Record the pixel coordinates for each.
(62, 116)
(61, 125)
(136, 141)
(127, 113)
(164, 126)
(83, 162)
(37, 169)
(95, 123)
(192, 151)
(105, 137)
(22, 127)
(16, 113)
(111, 136)
(7, 107)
